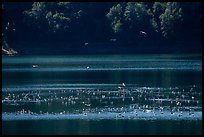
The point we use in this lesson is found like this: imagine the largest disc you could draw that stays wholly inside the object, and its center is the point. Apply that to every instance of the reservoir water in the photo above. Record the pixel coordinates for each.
(102, 94)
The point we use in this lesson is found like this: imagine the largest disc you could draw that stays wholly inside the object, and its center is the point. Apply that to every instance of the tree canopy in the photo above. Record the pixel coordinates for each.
(126, 22)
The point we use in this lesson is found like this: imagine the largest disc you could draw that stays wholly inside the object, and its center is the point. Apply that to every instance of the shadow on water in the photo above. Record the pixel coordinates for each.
(103, 127)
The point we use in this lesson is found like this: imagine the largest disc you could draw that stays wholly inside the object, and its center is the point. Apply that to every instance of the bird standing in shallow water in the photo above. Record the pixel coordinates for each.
(122, 86)
(122, 90)
(35, 66)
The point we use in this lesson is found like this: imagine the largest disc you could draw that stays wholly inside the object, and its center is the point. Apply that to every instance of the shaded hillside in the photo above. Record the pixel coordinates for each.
(102, 27)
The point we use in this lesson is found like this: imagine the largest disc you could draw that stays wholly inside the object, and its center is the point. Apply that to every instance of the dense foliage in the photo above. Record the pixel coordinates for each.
(124, 22)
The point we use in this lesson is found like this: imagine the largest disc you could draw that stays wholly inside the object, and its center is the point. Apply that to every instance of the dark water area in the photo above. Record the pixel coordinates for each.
(103, 127)
(84, 94)
(78, 47)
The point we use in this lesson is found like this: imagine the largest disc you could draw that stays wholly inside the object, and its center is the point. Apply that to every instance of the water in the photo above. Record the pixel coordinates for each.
(83, 94)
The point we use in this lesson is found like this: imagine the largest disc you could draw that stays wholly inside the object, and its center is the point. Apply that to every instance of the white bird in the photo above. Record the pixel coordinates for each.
(35, 66)
(122, 86)
(143, 32)
(86, 43)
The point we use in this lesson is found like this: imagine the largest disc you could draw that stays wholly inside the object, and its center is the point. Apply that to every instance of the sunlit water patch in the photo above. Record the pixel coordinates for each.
(182, 102)
(135, 115)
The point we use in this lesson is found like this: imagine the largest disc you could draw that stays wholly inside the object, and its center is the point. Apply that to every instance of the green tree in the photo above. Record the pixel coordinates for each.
(139, 18)
(54, 16)
(171, 20)
(158, 9)
(134, 22)
(115, 16)
(72, 20)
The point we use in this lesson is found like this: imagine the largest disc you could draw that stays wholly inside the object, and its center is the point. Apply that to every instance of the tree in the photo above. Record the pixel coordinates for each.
(158, 9)
(115, 16)
(131, 20)
(70, 20)
(138, 18)
(171, 20)
(55, 18)
(123, 22)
